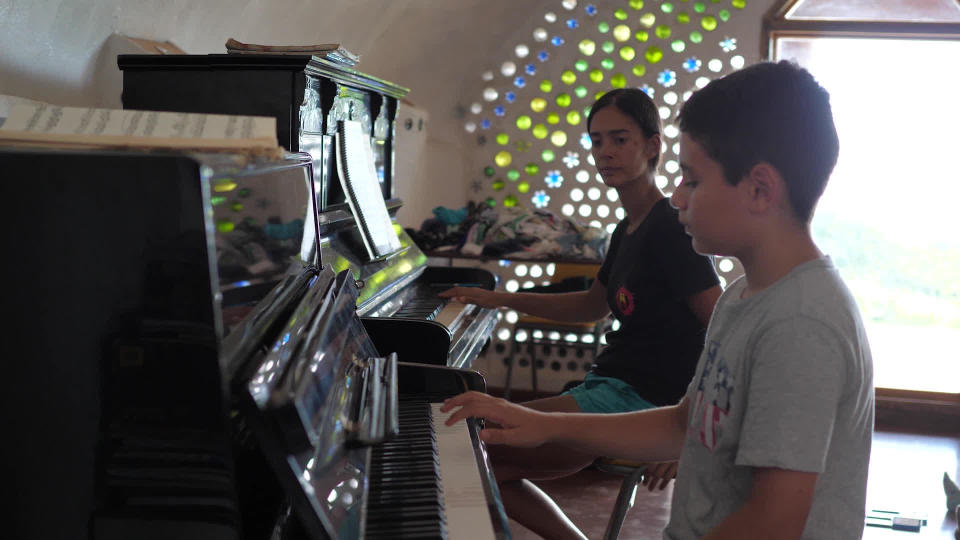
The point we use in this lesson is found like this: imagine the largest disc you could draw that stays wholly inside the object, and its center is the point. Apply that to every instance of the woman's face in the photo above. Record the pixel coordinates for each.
(620, 149)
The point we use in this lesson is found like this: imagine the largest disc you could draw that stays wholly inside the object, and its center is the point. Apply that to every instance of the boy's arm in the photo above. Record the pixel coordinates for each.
(777, 507)
(580, 306)
(650, 435)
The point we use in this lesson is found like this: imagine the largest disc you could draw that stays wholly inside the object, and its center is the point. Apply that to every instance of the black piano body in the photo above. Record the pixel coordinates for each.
(308, 96)
(147, 292)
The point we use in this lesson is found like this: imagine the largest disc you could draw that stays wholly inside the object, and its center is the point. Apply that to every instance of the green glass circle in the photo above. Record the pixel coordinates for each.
(653, 54)
(531, 168)
(587, 47)
(621, 32)
(547, 155)
(553, 118)
(636, 4)
(546, 86)
(216, 200)
(596, 75)
(563, 100)
(488, 171)
(662, 31)
(639, 70)
(580, 91)
(502, 139)
(608, 47)
(522, 146)
(523, 122)
(678, 45)
(523, 187)
(581, 65)
(699, 7)
(512, 175)
(709, 23)
(618, 81)
(628, 53)
(620, 14)
(573, 118)
(648, 19)
(568, 77)
(739, 4)
(683, 18)
(540, 131)
(237, 207)
(603, 27)
(641, 35)
(597, 96)
(724, 15)
(490, 201)
(667, 7)
(558, 138)
(498, 184)
(503, 158)
(510, 201)
(696, 37)
(225, 225)
(538, 104)
(607, 63)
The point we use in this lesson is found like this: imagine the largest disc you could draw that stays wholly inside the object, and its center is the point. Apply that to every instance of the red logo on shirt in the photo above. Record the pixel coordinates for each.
(625, 300)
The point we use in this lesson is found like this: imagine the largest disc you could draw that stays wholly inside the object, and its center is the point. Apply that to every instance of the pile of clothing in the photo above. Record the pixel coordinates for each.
(478, 229)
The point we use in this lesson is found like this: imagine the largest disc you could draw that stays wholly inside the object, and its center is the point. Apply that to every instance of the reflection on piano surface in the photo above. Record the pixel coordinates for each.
(309, 96)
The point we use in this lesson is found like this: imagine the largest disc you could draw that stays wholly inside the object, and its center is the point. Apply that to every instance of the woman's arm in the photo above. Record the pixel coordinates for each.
(701, 303)
(580, 306)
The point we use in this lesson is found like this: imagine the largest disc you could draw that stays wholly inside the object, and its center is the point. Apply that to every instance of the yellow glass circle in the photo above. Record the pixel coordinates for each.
(628, 53)
(553, 118)
(596, 75)
(621, 32)
(573, 118)
(540, 131)
(538, 104)
(648, 19)
(709, 23)
(523, 122)
(563, 100)
(503, 158)
(618, 81)
(568, 77)
(587, 47)
(558, 138)
(639, 70)
(546, 86)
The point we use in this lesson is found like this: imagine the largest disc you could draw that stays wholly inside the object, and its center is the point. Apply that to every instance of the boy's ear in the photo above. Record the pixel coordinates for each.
(765, 188)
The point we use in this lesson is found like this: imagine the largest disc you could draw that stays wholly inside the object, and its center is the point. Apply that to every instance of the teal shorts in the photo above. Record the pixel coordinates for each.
(607, 395)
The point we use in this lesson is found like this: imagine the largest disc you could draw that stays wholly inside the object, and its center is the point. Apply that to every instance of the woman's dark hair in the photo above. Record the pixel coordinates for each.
(768, 112)
(636, 104)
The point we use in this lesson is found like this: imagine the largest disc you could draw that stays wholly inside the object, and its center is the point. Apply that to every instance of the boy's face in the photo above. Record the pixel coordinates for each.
(709, 206)
(620, 149)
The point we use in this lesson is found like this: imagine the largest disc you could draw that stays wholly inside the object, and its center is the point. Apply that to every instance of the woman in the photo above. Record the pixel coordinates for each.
(660, 290)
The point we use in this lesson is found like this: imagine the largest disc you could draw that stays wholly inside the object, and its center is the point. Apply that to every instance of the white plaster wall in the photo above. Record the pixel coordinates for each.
(58, 51)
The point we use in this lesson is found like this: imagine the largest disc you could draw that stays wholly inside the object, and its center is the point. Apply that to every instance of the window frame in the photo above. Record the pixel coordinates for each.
(896, 409)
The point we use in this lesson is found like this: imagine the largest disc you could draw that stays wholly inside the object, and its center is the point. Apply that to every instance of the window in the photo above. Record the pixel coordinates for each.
(889, 215)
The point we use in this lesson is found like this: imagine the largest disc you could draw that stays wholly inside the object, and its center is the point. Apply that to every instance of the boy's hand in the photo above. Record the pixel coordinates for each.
(663, 472)
(517, 425)
(471, 295)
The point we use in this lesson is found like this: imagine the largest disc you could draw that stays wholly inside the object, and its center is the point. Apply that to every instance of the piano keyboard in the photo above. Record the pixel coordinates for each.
(425, 483)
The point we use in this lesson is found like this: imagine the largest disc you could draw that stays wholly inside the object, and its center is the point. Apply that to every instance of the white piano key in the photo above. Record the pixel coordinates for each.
(465, 504)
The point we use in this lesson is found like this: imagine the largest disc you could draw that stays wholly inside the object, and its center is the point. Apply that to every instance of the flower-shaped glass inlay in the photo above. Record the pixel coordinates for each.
(571, 160)
(553, 179)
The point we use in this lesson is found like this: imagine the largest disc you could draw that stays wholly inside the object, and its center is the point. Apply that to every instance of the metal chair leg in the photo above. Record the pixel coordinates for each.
(625, 500)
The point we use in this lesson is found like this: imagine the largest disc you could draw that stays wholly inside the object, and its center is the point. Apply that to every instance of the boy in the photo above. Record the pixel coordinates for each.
(774, 432)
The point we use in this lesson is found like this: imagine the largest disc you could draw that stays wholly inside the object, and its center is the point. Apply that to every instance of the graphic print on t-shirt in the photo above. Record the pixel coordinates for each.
(625, 301)
(714, 407)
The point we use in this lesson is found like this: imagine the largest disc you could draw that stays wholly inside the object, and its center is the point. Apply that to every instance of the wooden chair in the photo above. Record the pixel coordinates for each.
(540, 331)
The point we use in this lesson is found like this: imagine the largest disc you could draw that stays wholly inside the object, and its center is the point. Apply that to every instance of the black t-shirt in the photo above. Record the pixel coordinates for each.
(649, 274)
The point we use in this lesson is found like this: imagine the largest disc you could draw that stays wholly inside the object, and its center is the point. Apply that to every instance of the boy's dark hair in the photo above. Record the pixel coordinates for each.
(768, 112)
(636, 104)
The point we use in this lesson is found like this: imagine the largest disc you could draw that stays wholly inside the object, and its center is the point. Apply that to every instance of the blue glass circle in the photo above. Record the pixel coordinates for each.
(498, 110)
(519, 82)
(510, 97)
(572, 23)
(591, 9)
(543, 56)
(557, 41)
(530, 69)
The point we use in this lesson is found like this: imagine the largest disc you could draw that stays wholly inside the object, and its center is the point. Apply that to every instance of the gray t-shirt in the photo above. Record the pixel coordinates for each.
(786, 381)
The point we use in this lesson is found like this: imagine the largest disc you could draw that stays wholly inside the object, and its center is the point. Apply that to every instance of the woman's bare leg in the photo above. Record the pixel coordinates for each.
(524, 502)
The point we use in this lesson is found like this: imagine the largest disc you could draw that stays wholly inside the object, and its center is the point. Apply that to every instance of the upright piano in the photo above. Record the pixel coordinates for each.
(309, 96)
(184, 363)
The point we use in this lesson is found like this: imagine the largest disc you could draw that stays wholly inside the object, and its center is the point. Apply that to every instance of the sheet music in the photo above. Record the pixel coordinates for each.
(465, 503)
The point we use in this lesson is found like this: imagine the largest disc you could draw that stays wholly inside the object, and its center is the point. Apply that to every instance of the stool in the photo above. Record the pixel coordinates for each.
(632, 473)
